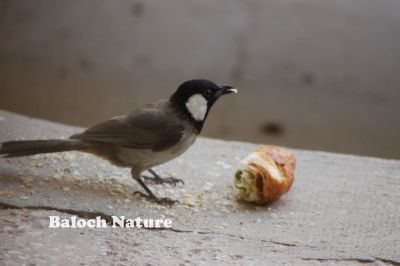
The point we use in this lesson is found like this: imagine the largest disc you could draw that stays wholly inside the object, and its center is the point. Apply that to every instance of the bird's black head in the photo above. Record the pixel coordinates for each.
(194, 98)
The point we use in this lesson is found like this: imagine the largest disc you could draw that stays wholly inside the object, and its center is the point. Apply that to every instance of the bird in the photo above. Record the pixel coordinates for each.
(143, 139)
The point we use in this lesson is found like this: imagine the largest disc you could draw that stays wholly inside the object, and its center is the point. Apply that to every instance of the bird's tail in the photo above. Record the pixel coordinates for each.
(30, 147)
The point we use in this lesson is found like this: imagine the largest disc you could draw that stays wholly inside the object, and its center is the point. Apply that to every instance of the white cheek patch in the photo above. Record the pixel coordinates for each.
(197, 106)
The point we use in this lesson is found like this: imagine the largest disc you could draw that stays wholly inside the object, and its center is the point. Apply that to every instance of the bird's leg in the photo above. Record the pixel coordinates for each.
(162, 180)
(150, 195)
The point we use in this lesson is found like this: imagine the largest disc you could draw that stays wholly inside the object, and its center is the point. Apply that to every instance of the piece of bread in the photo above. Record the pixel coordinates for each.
(265, 174)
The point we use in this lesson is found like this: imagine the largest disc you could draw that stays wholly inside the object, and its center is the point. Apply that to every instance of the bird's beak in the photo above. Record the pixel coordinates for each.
(226, 89)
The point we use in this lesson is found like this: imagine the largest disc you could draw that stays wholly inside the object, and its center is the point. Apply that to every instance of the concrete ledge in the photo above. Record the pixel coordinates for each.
(342, 209)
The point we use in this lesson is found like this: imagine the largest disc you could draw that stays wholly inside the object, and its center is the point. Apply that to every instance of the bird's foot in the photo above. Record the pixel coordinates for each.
(164, 180)
(162, 201)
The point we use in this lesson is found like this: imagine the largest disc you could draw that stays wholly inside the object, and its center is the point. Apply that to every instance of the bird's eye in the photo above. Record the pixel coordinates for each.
(207, 93)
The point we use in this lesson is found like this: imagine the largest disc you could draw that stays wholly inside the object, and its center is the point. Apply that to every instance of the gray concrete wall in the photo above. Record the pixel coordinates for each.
(342, 210)
(311, 74)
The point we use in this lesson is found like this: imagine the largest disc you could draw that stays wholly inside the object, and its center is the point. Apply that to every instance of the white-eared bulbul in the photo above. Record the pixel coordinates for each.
(151, 135)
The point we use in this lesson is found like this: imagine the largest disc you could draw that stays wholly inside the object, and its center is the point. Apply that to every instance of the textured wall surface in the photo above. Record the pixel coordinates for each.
(311, 74)
(341, 210)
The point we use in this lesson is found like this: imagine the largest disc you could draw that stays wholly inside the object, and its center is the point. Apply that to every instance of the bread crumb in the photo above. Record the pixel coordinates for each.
(6, 194)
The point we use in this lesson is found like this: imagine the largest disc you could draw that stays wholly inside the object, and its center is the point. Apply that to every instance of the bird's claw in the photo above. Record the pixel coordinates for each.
(162, 201)
(165, 180)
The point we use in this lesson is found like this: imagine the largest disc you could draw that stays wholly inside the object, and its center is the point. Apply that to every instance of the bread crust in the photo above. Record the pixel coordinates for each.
(269, 173)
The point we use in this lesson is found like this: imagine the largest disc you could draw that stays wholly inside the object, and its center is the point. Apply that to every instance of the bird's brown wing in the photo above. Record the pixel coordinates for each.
(147, 128)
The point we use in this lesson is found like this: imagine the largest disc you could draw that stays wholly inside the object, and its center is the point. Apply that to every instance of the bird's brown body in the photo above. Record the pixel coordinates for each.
(151, 135)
